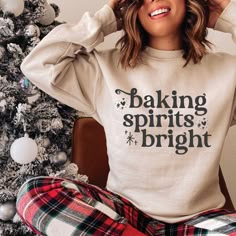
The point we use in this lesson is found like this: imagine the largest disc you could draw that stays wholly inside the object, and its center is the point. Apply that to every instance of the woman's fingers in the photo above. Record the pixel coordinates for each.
(113, 3)
(116, 5)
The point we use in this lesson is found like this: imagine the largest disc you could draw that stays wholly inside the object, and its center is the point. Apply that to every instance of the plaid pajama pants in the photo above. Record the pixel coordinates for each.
(62, 207)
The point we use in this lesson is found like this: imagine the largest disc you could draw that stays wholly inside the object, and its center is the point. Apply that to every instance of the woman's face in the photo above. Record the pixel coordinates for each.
(161, 18)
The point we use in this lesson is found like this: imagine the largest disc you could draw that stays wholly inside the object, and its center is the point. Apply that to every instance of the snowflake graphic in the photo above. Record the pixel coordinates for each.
(130, 138)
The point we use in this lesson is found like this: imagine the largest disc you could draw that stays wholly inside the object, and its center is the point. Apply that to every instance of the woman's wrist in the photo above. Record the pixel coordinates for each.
(107, 19)
(112, 4)
(224, 4)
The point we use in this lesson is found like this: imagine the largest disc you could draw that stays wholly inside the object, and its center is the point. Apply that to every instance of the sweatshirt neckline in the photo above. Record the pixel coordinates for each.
(163, 54)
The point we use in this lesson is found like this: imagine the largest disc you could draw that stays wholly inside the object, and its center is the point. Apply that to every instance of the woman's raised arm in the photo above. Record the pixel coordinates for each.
(64, 64)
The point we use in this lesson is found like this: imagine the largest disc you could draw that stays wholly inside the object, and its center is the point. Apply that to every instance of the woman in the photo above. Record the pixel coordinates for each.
(158, 100)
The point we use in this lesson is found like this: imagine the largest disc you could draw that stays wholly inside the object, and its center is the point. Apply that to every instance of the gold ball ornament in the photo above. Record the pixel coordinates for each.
(48, 16)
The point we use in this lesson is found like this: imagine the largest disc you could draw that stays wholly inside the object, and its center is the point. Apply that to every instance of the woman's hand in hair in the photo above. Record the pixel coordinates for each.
(216, 8)
(116, 6)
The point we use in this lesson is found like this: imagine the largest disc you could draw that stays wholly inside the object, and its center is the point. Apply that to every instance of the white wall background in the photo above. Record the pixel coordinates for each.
(72, 10)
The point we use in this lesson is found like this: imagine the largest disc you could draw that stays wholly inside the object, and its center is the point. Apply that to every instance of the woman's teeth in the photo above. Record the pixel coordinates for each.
(159, 11)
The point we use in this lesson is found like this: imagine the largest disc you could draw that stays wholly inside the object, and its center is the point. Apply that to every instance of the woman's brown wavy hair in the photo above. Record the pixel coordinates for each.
(194, 32)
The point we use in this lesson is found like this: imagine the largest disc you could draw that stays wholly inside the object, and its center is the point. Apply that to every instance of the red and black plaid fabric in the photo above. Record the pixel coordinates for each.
(55, 206)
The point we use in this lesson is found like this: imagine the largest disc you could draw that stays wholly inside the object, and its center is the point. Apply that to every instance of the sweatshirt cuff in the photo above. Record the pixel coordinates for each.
(227, 20)
(107, 18)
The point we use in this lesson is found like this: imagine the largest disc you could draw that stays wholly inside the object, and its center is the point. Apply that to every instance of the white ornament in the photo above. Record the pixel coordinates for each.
(7, 211)
(24, 150)
(48, 16)
(16, 218)
(14, 6)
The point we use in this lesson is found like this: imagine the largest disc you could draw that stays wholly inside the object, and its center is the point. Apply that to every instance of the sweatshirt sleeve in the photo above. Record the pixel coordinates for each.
(227, 20)
(64, 63)
(227, 23)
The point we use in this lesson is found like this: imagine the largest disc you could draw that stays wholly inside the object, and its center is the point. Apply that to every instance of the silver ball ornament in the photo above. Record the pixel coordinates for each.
(46, 142)
(14, 6)
(32, 30)
(7, 210)
(59, 159)
(48, 16)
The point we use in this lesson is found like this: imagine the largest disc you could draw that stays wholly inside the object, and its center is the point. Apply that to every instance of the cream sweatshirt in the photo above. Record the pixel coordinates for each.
(165, 125)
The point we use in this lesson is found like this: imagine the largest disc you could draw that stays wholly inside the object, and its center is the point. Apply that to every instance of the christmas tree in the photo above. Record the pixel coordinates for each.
(35, 134)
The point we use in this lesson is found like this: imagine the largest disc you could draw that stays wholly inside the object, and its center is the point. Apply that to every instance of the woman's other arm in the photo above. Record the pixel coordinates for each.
(227, 20)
